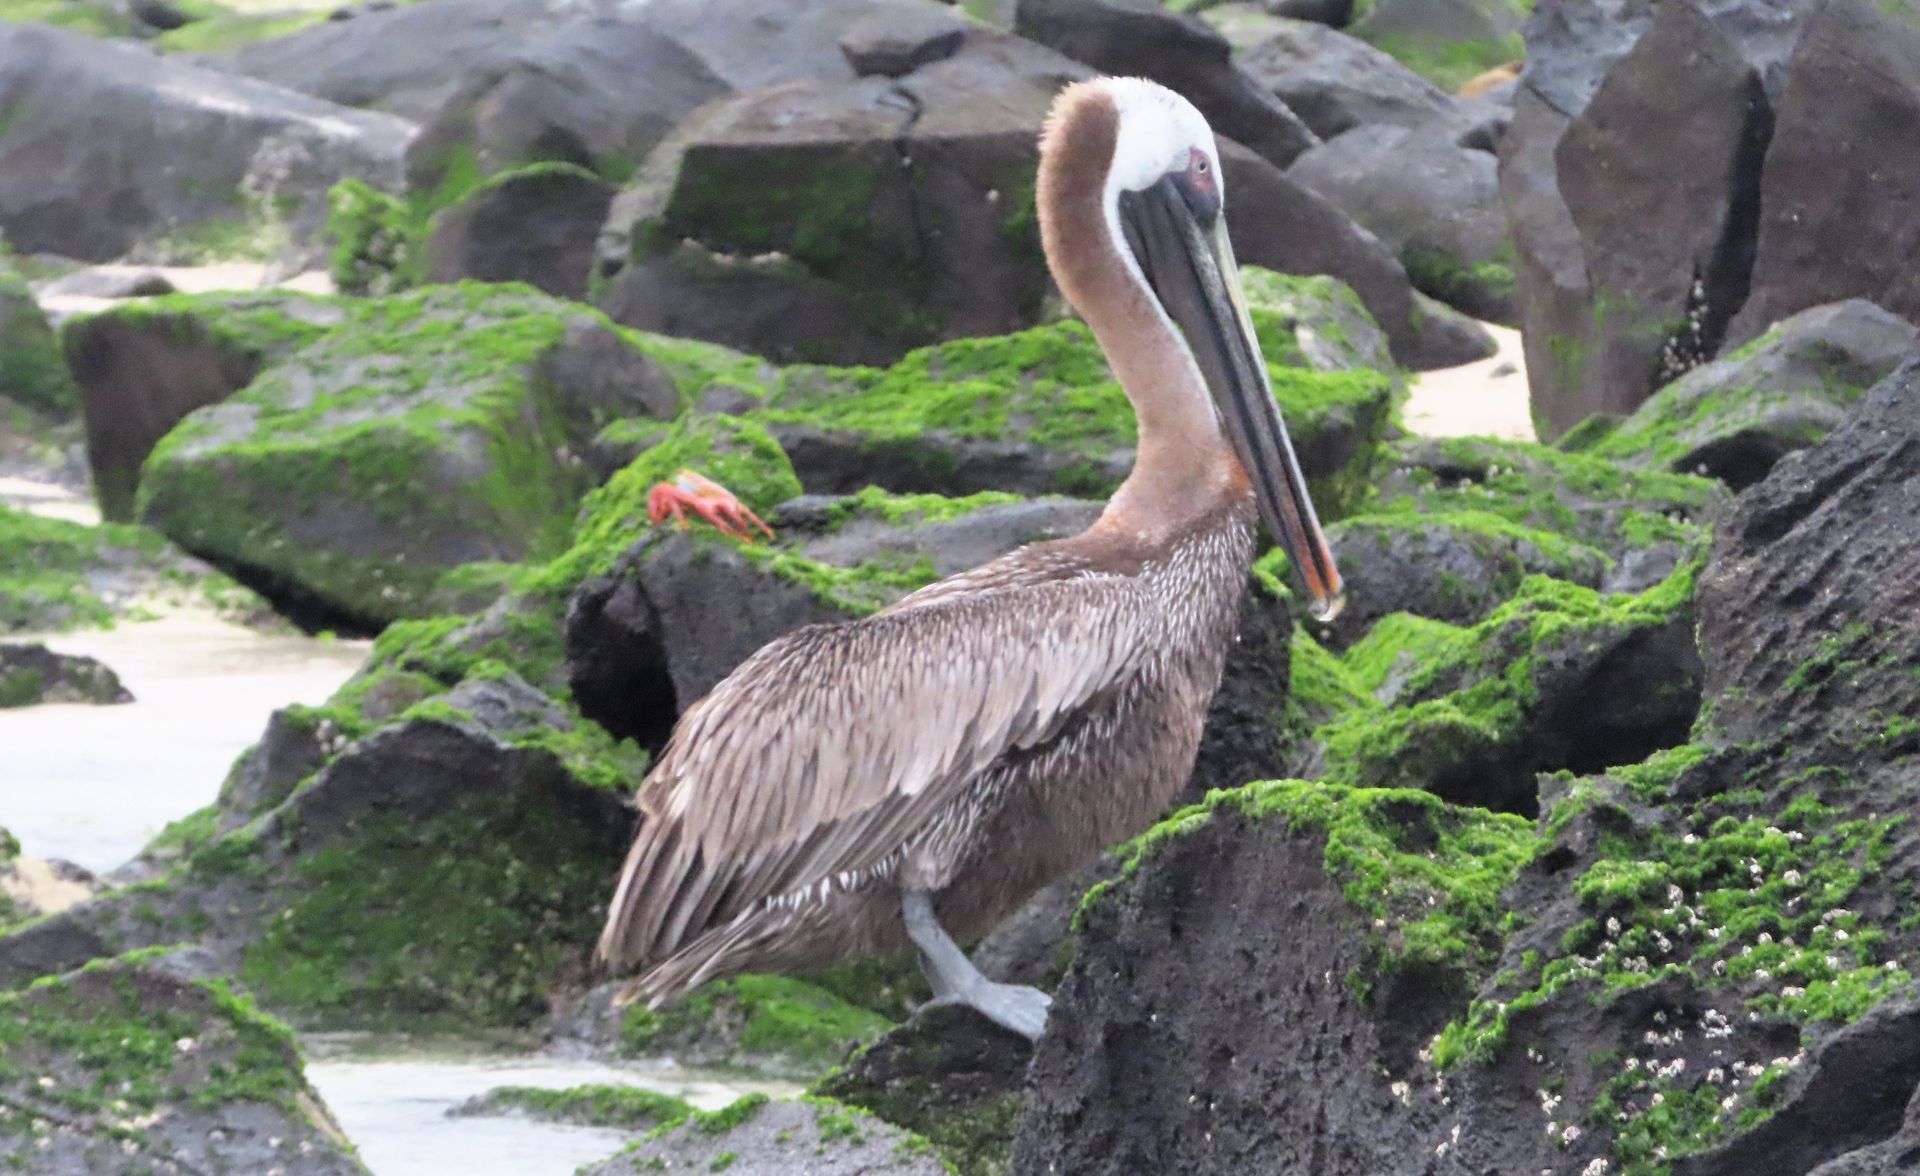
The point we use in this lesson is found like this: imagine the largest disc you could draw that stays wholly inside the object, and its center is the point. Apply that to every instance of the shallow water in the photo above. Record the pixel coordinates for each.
(92, 784)
(392, 1100)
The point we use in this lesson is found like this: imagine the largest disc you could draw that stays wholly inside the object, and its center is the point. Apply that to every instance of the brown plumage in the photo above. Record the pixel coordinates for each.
(986, 734)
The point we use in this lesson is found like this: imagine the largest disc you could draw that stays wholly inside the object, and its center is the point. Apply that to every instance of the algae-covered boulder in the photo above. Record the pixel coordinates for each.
(31, 674)
(949, 1075)
(1733, 418)
(445, 866)
(1357, 921)
(1039, 412)
(633, 1107)
(761, 1137)
(1694, 963)
(535, 224)
(776, 1026)
(111, 147)
(427, 431)
(32, 372)
(144, 366)
(122, 1068)
(56, 574)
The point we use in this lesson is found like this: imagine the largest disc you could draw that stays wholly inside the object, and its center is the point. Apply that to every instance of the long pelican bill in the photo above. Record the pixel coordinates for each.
(1180, 240)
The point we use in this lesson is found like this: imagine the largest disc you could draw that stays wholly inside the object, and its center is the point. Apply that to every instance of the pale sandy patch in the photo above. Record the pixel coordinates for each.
(1472, 400)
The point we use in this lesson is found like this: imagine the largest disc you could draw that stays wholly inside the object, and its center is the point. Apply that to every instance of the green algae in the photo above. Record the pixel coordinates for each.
(768, 1023)
(54, 575)
(630, 1107)
(1440, 274)
(456, 921)
(1473, 694)
(33, 372)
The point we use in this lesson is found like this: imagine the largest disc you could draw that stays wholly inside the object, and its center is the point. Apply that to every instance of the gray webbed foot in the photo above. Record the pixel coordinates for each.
(1015, 1007)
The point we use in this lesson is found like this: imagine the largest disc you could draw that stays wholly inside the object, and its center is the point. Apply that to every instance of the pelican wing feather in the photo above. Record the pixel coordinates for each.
(824, 753)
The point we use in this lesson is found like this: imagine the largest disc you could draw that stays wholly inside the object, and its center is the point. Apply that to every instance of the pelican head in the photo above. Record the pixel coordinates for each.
(1132, 214)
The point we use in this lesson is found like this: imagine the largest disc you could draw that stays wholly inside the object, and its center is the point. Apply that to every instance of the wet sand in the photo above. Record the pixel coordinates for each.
(1471, 400)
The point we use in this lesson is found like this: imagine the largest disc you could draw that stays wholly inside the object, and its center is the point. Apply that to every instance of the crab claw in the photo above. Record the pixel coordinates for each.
(706, 498)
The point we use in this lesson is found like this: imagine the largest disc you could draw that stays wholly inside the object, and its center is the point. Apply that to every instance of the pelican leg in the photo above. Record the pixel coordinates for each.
(956, 981)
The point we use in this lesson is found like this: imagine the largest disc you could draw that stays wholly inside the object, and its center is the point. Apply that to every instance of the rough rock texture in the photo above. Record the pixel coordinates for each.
(1572, 46)
(1698, 930)
(426, 432)
(1851, 108)
(757, 43)
(1734, 418)
(122, 1069)
(596, 93)
(56, 574)
(755, 1137)
(949, 1075)
(1665, 222)
(535, 225)
(142, 369)
(1140, 38)
(894, 41)
(781, 222)
(406, 59)
(1336, 82)
(166, 151)
(32, 372)
(33, 674)
(1435, 204)
(321, 907)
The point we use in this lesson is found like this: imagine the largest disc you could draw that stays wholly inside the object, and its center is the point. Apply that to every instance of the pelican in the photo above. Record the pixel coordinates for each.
(913, 776)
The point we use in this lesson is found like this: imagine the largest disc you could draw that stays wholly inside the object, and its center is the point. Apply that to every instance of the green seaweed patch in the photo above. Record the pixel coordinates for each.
(600, 1105)
(766, 1023)
(139, 1046)
(1451, 64)
(404, 922)
(892, 986)
(56, 575)
(911, 510)
(227, 30)
(1475, 693)
(33, 372)
(1442, 274)
(737, 453)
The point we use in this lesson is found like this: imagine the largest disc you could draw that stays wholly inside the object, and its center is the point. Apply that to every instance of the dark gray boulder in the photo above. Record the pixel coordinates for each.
(213, 1084)
(535, 224)
(1336, 82)
(405, 59)
(110, 148)
(1141, 38)
(32, 674)
(1665, 222)
(1435, 204)
(596, 93)
(1844, 161)
(752, 44)
(895, 41)
(1732, 419)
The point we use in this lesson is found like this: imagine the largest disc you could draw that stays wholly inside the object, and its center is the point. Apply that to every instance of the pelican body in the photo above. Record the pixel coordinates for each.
(916, 775)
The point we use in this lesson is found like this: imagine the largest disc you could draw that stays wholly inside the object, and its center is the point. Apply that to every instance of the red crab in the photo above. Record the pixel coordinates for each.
(708, 499)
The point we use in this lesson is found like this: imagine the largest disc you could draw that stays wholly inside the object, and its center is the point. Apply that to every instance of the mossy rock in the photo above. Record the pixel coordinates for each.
(1558, 677)
(773, 1025)
(758, 1136)
(1646, 523)
(32, 370)
(1039, 412)
(949, 1075)
(443, 868)
(1732, 419)
(120, 1067)
(56, 574)
(430, 430)
(633, 1108)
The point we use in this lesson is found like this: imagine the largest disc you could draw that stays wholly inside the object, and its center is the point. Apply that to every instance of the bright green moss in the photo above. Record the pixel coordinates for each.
(353, 419)
(630, 1107)
(458, 921)
(32, 370)
(770, 1023)
(228, 31)
(1401, 644)
(49, 568)
(1474, 692)
(126, 1045)
(378, 240)
(1442, 275)
(912, 510)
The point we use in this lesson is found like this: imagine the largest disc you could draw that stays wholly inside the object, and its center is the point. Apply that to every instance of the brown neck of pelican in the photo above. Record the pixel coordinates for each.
(1184, 467)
